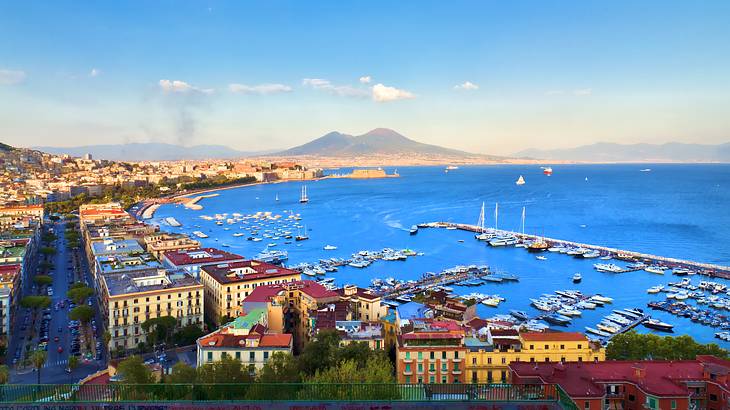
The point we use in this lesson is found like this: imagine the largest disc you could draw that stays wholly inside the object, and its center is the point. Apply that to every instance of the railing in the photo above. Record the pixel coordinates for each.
(102, 393)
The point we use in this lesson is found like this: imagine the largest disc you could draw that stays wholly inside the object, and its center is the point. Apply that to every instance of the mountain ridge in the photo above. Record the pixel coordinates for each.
(640, 152)
(151, 151)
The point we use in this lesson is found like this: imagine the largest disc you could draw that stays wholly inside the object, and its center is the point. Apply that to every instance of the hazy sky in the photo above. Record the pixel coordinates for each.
(482, 76)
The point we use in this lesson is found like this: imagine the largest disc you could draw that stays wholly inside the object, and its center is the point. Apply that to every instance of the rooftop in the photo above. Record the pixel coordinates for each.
(116, 247)
(137, 282)
(587, 379)
(246, 270)
(202, 256)
(123, 263)
(9, 272)
(264, 293)
(553, 337)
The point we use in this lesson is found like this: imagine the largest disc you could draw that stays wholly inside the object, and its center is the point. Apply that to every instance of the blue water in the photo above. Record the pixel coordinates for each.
(674, 210)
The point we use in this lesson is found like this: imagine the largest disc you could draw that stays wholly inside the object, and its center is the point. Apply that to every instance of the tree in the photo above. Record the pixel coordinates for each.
(107, 337)
(187, 335)
(48, 250)
(38, 358)
(82, 313)
(78, 294)
(45, 266)
(133, 371)
(635, 346)
(36, 303)
(160, 328)
(227, 370)
(4, 374)
(73, 362)
(182, 373)
(280, 368)
(320, 353)
(43, 280)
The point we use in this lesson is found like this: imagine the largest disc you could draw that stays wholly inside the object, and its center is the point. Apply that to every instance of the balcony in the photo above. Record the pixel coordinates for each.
(407, 360)
(456, 371)
(407, 372)
(457, 360)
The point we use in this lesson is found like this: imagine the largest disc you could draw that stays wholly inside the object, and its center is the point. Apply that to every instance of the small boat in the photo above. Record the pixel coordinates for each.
(557, 319)
(655, 269)
(602, 299)
(492, 301)
(658, 325)
(540, 257)
(538, 246)
(655, 289)
(329, 247)
(591, 254)
(276, 198)
(547, 171)
(577, 278)
(608, 328)
(520, 181)
(413, 230)
(645, 170)
(237, 234)
(597, 332)
(519, 314)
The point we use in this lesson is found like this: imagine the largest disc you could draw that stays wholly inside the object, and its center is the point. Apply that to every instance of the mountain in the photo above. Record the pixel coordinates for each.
(610, 152)
(150, 152)
(380, 141)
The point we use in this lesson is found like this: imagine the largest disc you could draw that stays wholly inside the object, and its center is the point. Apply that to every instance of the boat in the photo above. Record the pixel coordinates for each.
(304, 198)
(547, 171)
(645, 170)
(591, 254)
(658, 325)
(538, 246)
(503, 241)
(557, 319)
(451, 168)
(200, 234)
(520, 181)
(608, 267)
(413, 230)
(302, 236)
(600, 298)
(492, 301)
(577, 278)
(272, 256)
(655, 289)
(608, 328)
(329, 247)
(172, 221)
(681, 271)
(597, 332)
(655, 269)
(276, 198)
(237, 234)
(519, 314)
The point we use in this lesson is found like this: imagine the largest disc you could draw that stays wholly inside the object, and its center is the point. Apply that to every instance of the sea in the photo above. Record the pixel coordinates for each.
(680, 211)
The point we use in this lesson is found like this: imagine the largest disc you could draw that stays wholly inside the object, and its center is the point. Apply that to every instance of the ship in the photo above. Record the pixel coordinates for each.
(413, 230)
(538, 246)
(547, 171)
(304, 198)
(520, 181)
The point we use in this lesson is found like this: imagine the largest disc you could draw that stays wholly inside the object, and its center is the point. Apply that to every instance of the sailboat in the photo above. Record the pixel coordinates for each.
(277, 198)
(482, 235)
(522, 225)
(520, 181)
(302, 235)
(496, 214)
(304, 198)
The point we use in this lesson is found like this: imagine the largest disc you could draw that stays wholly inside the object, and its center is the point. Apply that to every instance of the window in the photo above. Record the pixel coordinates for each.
(420, 355)
(238, 355)
(713, 397)
(651, 402)
(420, 368)
(489, 360)
(473, 377)
(532, 347)
(456, 367)
(547, 347)
(631, 397)
(266, 356)
(408, 367)
(456, 355)
(224, 355)
(251, 356)
(432, 379)
(504, 360)
(443, 355)
(443, 379)
(431, 367)
(443, 368)
(420, 379)
(547, 360)
(408, 355)
(587, 405)
(408, 379)
(562, 347)
(433, 355)
(580, 346)
(674, 404)
(580, 359)
(210, 356)
(503, 376)
(473, 360)
(489, 376)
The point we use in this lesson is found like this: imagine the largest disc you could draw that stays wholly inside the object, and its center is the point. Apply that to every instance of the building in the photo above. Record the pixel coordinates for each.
(490, 351)
(355, 331)
(247, 338)
(293, 304)
(103, 213)
(192, 260)
(433, 352)
(126, 263)
(6, 308)
(364, 303)
(162, 242)
(703, 383)
(228, 284)
(24, 210)
(129, 299)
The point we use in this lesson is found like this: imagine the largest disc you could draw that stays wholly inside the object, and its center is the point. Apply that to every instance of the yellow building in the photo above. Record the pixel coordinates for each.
(129, 299)
(365, 305)
(489, 355)
(227, 285)
(161, 242)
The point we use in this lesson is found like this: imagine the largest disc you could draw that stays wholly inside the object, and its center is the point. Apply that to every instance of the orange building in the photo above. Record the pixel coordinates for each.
(433, 352)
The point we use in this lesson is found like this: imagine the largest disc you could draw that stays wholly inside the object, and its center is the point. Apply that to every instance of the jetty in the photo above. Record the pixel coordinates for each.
(432, 281)
(708, 269)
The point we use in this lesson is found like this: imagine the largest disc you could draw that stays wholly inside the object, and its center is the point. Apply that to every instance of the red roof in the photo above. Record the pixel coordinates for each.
(553, 337)
(276, 340)
(265, 292)
(587, 379)
(202, 256)
(9, 272)
(228, 272)
(223, 339)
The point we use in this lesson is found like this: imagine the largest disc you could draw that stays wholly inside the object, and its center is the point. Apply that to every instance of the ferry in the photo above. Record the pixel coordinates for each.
(547, 171)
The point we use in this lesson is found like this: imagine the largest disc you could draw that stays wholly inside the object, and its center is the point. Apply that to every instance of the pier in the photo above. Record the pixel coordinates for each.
(707, 269)
(441, 279)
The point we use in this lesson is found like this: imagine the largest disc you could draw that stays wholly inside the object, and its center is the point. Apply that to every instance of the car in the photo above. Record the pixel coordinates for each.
(60, 329)
(56, 339)
(149, 361)
(68, 370)
(60, 349)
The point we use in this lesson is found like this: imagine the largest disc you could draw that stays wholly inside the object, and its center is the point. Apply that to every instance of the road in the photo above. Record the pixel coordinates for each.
(69, 266)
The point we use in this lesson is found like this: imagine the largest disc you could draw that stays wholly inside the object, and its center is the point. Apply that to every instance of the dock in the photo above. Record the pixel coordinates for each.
(441, 279)
(708, 269)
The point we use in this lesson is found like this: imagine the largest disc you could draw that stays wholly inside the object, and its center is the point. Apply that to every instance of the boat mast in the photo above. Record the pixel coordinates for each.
(480, 222)
(496, 214)
(523, 221)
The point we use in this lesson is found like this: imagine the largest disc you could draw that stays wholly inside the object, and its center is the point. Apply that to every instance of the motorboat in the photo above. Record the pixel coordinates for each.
(597, 332)
(577, 278)
(329, 247)
(655, 289)
(658, 325)
(608, 267)
(541, 258)
(519, 314)
(655, 269)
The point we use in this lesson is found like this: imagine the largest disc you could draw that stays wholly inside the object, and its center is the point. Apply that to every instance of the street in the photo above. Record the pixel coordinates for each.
(69, 266)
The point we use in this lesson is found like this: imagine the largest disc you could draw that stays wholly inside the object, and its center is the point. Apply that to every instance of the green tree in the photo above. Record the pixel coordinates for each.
(4, 374)
(636, 346)
(78, 294)
(48, 237)
(73, 362)
(227, 370)
(107, 337)
(182, 373)
(159, 329)
(320, 353)
(280, 368)
(45, 266)
(48, 250)
(38, 358)
(35, 303)
(133, 371)
(43, 280)
(187, 335)
(82, 313)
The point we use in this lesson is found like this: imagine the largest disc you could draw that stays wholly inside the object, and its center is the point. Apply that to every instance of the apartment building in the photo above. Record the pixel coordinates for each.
(227, 285)
(162, 242)
(432, 352)
(191, 260)
(131, 298)
(364, 303)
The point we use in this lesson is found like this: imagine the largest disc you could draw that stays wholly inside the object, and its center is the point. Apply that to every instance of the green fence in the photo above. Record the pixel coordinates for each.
(99, 393)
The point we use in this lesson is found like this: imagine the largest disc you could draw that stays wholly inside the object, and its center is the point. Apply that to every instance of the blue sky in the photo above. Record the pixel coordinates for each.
(483, 76)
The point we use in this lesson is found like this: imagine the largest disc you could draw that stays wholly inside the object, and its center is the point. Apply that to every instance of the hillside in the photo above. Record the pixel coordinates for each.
(610, 152)
(149, 152)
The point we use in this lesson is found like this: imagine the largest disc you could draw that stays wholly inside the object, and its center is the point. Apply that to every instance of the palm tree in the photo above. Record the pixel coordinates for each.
(39, 359)
(4, 374)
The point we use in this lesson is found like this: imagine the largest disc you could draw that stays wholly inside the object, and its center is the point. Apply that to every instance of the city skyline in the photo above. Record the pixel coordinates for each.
(487, 78)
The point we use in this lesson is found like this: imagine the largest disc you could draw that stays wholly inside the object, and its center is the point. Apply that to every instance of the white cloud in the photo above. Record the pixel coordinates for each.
(10, 77)
(341, 90)
(466, 86)
(94, 72)
(582, 92)
(365, 79)
(177, 86)
(383, 93)
(261, 89)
